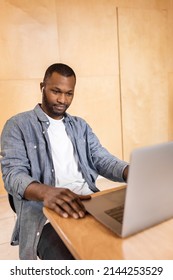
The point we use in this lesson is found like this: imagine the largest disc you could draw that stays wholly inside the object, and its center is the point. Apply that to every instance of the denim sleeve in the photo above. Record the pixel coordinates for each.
(14, 162)
(107, 165)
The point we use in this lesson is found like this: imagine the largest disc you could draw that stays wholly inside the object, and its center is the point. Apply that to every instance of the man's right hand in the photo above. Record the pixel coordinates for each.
(61, 200)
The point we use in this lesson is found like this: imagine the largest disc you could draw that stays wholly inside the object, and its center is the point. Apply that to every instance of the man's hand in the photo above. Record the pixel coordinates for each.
(61, 200)
(65, 203)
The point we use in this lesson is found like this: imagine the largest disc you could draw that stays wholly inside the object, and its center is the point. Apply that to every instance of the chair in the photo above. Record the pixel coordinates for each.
(11, 202)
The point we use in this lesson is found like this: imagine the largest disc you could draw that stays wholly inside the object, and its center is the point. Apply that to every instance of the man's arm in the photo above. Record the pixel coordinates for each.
(125, 173)
(18, 181)
(106, 164)
(61, 200)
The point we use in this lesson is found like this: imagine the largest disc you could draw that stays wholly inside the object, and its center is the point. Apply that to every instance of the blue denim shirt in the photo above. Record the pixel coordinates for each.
(26, 158)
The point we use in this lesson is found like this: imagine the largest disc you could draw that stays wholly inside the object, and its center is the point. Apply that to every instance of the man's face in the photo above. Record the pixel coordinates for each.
(58, 92)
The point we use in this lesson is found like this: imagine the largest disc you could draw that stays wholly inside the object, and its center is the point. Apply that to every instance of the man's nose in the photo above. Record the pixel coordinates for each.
(61, 98)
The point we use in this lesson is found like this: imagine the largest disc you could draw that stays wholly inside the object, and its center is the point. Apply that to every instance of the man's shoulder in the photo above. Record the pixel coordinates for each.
(35, 112)
(22, 116)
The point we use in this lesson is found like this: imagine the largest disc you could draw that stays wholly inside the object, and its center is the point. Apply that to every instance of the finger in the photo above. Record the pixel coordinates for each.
(78, 206)
(60, 211)
(73, 205)
(68, 203)
(71, 198)
(70, 206)
(84, 197)
(57, 209)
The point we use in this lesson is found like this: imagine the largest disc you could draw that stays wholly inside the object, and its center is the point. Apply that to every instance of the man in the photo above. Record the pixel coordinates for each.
(53, 159)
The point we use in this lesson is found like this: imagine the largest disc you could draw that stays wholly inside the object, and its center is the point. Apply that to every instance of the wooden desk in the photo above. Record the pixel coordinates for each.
(87, 239)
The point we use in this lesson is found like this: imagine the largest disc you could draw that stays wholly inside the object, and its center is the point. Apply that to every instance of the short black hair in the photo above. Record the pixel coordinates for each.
(60, 68)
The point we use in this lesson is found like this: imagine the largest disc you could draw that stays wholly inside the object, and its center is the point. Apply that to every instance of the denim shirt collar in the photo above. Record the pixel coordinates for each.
(42, 116)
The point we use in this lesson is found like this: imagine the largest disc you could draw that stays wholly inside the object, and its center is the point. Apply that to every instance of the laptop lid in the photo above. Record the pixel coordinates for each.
(149, 195)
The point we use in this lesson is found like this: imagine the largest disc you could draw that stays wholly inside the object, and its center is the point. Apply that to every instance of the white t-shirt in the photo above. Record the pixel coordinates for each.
(67, 171)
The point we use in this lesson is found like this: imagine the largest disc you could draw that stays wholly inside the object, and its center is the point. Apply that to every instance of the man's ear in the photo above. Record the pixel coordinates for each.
(41, 87)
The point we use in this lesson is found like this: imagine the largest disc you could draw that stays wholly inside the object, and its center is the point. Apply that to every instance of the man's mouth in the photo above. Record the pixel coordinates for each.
(60, 107)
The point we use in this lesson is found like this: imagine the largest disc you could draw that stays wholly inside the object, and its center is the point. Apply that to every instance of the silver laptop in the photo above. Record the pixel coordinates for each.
(148, 198)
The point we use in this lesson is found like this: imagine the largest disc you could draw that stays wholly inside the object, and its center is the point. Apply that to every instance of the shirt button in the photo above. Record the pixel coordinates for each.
(38, 233)
(47, 122)
(35, 147)
(43, 132)
(52, 170)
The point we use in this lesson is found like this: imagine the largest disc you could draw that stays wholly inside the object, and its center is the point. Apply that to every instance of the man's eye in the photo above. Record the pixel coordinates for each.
(55, 91)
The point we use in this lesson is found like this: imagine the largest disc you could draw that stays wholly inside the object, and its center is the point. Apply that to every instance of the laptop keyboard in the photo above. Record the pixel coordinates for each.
(116, 213)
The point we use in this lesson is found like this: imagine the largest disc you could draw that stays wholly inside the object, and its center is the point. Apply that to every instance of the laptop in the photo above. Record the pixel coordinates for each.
(148, 198)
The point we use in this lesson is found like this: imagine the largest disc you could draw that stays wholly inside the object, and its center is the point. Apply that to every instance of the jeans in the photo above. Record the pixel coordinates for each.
(51, 247)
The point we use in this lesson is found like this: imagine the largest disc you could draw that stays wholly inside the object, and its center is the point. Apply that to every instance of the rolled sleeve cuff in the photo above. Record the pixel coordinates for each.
(23, 184)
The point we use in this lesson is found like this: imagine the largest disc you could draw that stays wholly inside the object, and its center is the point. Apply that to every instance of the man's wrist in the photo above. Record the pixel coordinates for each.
(125, 173)
(36, 191)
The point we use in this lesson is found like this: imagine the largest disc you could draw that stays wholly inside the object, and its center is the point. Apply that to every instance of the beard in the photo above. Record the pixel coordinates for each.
(54, 110)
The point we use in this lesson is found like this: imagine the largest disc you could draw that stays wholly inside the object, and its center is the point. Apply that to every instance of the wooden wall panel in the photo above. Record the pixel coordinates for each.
(170, 106)
(28, 38)
(34, 34)
(144, 83)
(88, 41)
(170, 68)
(100, 106)
(82, 34)
(17, 96)
(143, 4)
(170, 37)
(28, 43)
(87, 32)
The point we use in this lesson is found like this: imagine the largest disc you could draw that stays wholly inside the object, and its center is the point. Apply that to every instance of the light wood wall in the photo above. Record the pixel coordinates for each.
(121, 51)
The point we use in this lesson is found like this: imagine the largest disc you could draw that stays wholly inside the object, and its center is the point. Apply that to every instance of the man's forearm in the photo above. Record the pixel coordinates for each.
(36, 191)
(61, 200)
